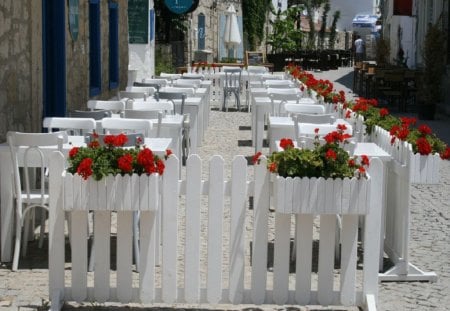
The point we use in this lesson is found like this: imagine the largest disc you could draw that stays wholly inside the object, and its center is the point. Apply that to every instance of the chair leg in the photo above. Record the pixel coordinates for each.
(42, 232)
(26, 233)
(17, 246)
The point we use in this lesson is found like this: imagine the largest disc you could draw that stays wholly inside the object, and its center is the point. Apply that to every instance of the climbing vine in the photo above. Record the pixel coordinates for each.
(254, 14)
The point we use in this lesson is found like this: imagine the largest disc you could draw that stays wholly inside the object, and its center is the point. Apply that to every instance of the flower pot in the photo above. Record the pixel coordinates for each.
(114, 193)
(321, 196)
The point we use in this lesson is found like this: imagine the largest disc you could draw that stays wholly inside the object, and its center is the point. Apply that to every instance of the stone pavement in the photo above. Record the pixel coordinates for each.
(229, 135)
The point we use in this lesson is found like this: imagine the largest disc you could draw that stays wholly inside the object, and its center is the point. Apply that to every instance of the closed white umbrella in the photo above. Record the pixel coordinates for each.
(232, 36)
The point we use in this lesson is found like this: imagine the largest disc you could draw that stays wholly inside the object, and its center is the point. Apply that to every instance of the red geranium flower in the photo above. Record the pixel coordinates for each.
(364, 160)
(273, 167)
(424, 129)
(120, 140)
(125, 163)
(73, 152)
(423, 146)
(85, 168)
(446, 154)
(383, 112)
(255, 159)
(331, 154)
(286, 143)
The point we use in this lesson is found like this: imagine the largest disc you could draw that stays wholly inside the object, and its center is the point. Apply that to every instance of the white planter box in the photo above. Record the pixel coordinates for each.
(114, 193)
(321, 196)
(422, 169)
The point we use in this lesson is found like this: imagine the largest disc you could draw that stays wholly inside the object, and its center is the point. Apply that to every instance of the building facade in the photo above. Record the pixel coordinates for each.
(55, 55)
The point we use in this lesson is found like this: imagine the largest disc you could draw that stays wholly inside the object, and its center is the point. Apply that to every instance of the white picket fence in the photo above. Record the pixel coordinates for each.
(399, 175)
(203, 258)
(422, 169)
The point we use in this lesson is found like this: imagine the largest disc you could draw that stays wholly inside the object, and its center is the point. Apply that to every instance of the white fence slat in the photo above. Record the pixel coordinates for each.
(345, 203)
(77, 192)
(279, 194)
(102, 250)
(102, 196)
(303, 262)
(110, 192)
(56, 228)
(144, 186)
(92, 195)
(124, 254)
(135, 194)
(237, 237)
(337, 194)
(261, 204)
(79, 254)
(296, 195)
(127, 191)
(326, 258)
(372, 228)
(215, 231)
(313, 193)
(281, 258)
(320, 195)
(349, 241)
(147, 238)
(169, 230)
(289, 193)
(68, 192)
(354, 195)
(193, 224)
(330, 206)
(304, 195)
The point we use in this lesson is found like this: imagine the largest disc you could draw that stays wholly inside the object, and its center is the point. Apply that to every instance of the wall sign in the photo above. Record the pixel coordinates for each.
(179, 6)
(201, 32)
(138, 16)
(73, 18)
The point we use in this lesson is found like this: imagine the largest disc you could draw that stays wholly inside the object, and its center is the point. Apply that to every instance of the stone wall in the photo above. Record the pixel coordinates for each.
(21, 66)
(19, 84)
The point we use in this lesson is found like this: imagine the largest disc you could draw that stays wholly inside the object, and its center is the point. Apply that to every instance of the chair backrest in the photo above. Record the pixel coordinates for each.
(315, 118)
(165, 106)
(113, 105)
(195, 76)
(308, 142)
(73, 126)
(149, 90)
(33, 156)
(307, 100)
(280, 97)
(173, 97)
(147, 114)
(278, 83)
(132, 95)
(269, 76)
(122, 125)
(156, 86)
(92, 114)
(195, 83)
(170, 76)
(256, 69)
(160, 82)
(292, 109)
(189, 91)
(232, 78)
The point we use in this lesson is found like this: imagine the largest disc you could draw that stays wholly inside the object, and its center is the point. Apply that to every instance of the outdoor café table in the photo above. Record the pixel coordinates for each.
(157, 145)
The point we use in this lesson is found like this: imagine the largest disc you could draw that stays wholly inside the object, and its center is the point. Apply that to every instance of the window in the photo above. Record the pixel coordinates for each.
(201, 31)
(95, 75)
(113, 45)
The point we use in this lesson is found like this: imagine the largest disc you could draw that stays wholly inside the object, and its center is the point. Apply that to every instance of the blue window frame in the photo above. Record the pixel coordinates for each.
(113, 45)
(95, 65)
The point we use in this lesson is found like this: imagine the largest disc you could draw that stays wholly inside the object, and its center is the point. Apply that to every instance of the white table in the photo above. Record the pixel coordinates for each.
(157, 145)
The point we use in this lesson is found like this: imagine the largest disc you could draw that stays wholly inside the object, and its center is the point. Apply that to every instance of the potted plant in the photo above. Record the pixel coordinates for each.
(302, 176)
(434, 67)
(109, 173)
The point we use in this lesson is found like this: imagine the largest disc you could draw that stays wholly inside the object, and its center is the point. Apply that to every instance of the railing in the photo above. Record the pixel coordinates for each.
(214, 248)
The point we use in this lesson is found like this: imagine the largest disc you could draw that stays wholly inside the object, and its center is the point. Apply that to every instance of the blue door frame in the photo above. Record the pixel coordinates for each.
(54, 58)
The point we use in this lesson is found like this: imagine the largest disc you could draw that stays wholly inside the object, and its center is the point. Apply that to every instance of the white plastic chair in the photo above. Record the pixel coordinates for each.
(132, 95)
(190, 75)
(149, 90)
(27, 195)
(73, 126)
(116, 106)
(293, 109)
(189, 91)
(160, 82)
(189, 83)
(166, 106)
(256, 69)
(278, 83)
(281, 96)
(91, 114)
(315, 118)
(122, 125)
